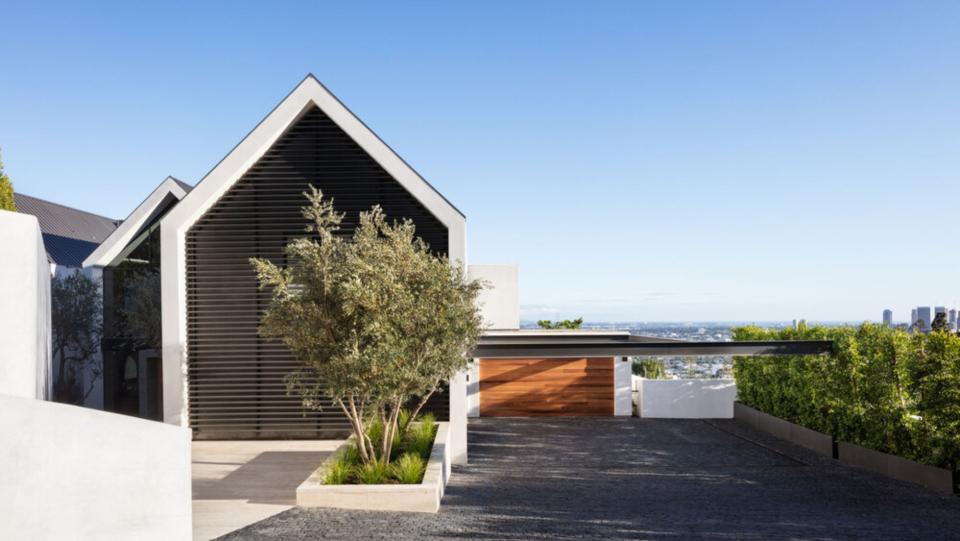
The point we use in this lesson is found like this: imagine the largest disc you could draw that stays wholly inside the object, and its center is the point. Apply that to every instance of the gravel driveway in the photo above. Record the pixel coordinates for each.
(612, 478)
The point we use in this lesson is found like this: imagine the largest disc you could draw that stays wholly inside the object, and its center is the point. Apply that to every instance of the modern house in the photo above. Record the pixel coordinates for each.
(196, 358)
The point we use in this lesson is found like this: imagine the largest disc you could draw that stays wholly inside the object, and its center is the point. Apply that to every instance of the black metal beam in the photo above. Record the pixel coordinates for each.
(492, 349)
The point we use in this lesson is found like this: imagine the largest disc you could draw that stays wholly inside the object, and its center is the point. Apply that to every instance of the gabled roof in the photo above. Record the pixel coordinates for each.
(158, 202)
(308, 94)
(69, 235)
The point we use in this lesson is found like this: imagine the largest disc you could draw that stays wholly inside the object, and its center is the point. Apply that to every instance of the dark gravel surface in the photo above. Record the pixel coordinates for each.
(627, 478)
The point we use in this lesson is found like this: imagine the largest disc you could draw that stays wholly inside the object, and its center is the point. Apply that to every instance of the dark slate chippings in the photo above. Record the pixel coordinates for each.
(593, 478)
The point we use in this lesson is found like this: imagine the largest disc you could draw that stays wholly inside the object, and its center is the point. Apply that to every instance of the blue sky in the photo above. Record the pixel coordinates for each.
(639, 161)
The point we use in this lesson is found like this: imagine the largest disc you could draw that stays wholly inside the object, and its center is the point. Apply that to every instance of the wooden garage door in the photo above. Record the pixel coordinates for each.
(533, 387)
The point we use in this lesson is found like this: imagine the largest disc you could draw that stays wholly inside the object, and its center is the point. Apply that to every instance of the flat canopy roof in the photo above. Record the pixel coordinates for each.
(514, 344)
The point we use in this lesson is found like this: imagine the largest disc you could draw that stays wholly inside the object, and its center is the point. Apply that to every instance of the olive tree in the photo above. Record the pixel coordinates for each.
(77, 325)
(376, 320)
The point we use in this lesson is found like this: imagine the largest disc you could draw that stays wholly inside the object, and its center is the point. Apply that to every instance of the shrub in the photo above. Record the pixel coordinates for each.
(338, 472)
(372, 473)
(881, 387)
(408, 469)
(649, 368)
(420, 436)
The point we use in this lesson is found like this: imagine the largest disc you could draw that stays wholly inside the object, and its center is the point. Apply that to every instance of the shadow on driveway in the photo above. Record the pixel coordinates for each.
(628, 478)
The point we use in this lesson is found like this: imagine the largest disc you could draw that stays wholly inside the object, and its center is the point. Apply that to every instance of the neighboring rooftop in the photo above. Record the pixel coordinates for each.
(69, 235)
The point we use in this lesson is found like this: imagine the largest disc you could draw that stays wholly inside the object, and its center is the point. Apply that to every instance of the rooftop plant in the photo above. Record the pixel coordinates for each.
(375, 318)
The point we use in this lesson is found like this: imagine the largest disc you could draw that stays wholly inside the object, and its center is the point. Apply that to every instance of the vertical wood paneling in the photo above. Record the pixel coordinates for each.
(544, 387)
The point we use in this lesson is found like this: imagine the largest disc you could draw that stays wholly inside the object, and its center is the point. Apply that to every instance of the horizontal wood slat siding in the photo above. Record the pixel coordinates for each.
(540, 387)
(235, 377)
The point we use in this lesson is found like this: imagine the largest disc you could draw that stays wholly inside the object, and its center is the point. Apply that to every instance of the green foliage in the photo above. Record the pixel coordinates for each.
(375, 320)
(76, 313)
(940, 323)
(338, 472)
(649, 368)
(881, 387)
(372, 473)
(565, 324)
(420, 437)
(408, 469)
(7, 201)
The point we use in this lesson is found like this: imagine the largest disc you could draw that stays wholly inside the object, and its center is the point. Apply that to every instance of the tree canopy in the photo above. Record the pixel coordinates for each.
(376, 320)
(565, 324)
(7, 201)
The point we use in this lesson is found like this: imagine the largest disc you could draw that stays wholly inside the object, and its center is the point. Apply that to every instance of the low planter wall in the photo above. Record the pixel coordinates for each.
(785, 430)
(423, 498)
(685, 398)
(938, 479)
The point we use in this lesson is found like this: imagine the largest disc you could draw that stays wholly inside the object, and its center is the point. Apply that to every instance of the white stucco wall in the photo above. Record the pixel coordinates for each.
(500, 301)
(623, 387)
(25, 310)
(76, 473)
(686, 398)
(473, 389)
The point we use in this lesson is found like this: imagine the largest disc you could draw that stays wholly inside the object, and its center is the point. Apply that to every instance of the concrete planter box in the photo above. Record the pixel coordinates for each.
(811, 439)
(897, 467)
(423, 498)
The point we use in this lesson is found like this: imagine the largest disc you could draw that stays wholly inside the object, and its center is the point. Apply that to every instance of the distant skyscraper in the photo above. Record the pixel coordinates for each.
(913, 317)
(952, 319)
(888, 317)
(939, 310)
(924, 318)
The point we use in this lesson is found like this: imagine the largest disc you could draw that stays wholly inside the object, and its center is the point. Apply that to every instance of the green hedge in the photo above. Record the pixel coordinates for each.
(881, 388)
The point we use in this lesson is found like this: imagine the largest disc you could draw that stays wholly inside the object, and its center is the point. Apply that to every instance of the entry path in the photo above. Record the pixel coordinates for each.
(628, 478)
(236, 483)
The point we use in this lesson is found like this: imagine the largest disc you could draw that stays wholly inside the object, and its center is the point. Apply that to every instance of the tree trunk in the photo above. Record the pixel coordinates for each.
(416, 411)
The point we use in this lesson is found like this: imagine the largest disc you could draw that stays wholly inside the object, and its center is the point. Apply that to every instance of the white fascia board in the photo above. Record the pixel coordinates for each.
(111, 247)
(210, 189)
(309, 92)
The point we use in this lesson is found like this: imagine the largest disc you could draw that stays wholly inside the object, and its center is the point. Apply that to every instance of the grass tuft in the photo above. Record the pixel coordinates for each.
(372, 473)
(408, 469)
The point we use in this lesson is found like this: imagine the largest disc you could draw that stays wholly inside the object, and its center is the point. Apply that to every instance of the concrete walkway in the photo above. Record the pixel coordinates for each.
(628, 478)
(236, 483)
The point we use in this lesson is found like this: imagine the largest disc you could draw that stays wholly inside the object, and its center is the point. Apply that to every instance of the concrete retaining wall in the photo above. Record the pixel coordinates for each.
(25, 308)
(685, 398)
(785, 430)
(68, 472)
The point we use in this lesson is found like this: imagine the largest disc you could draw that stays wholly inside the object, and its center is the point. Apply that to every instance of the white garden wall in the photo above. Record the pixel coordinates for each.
(68, 472)
(25, 310)
(685, 398)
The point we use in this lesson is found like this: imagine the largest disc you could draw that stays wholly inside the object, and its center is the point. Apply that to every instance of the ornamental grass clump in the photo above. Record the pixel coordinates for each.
(372, 473)
(375, 318)
(408, 469)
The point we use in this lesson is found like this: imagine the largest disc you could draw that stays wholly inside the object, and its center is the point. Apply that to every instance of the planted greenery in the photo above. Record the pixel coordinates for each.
(408, 469)
(409, 457)
(882, 388)
(377, 317)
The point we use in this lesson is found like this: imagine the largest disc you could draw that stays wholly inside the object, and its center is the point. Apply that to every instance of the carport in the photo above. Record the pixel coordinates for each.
(533, 373)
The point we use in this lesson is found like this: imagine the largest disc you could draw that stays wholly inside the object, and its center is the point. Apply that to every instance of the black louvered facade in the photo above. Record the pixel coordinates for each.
(235, 377)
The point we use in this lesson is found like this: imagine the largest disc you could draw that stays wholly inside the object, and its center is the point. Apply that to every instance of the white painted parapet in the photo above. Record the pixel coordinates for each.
(685, 398)
(499, 301)
(68, 472)
(25, 309)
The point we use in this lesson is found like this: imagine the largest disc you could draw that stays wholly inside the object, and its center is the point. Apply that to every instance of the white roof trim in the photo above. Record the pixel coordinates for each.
(308, 93)
(114, 244)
